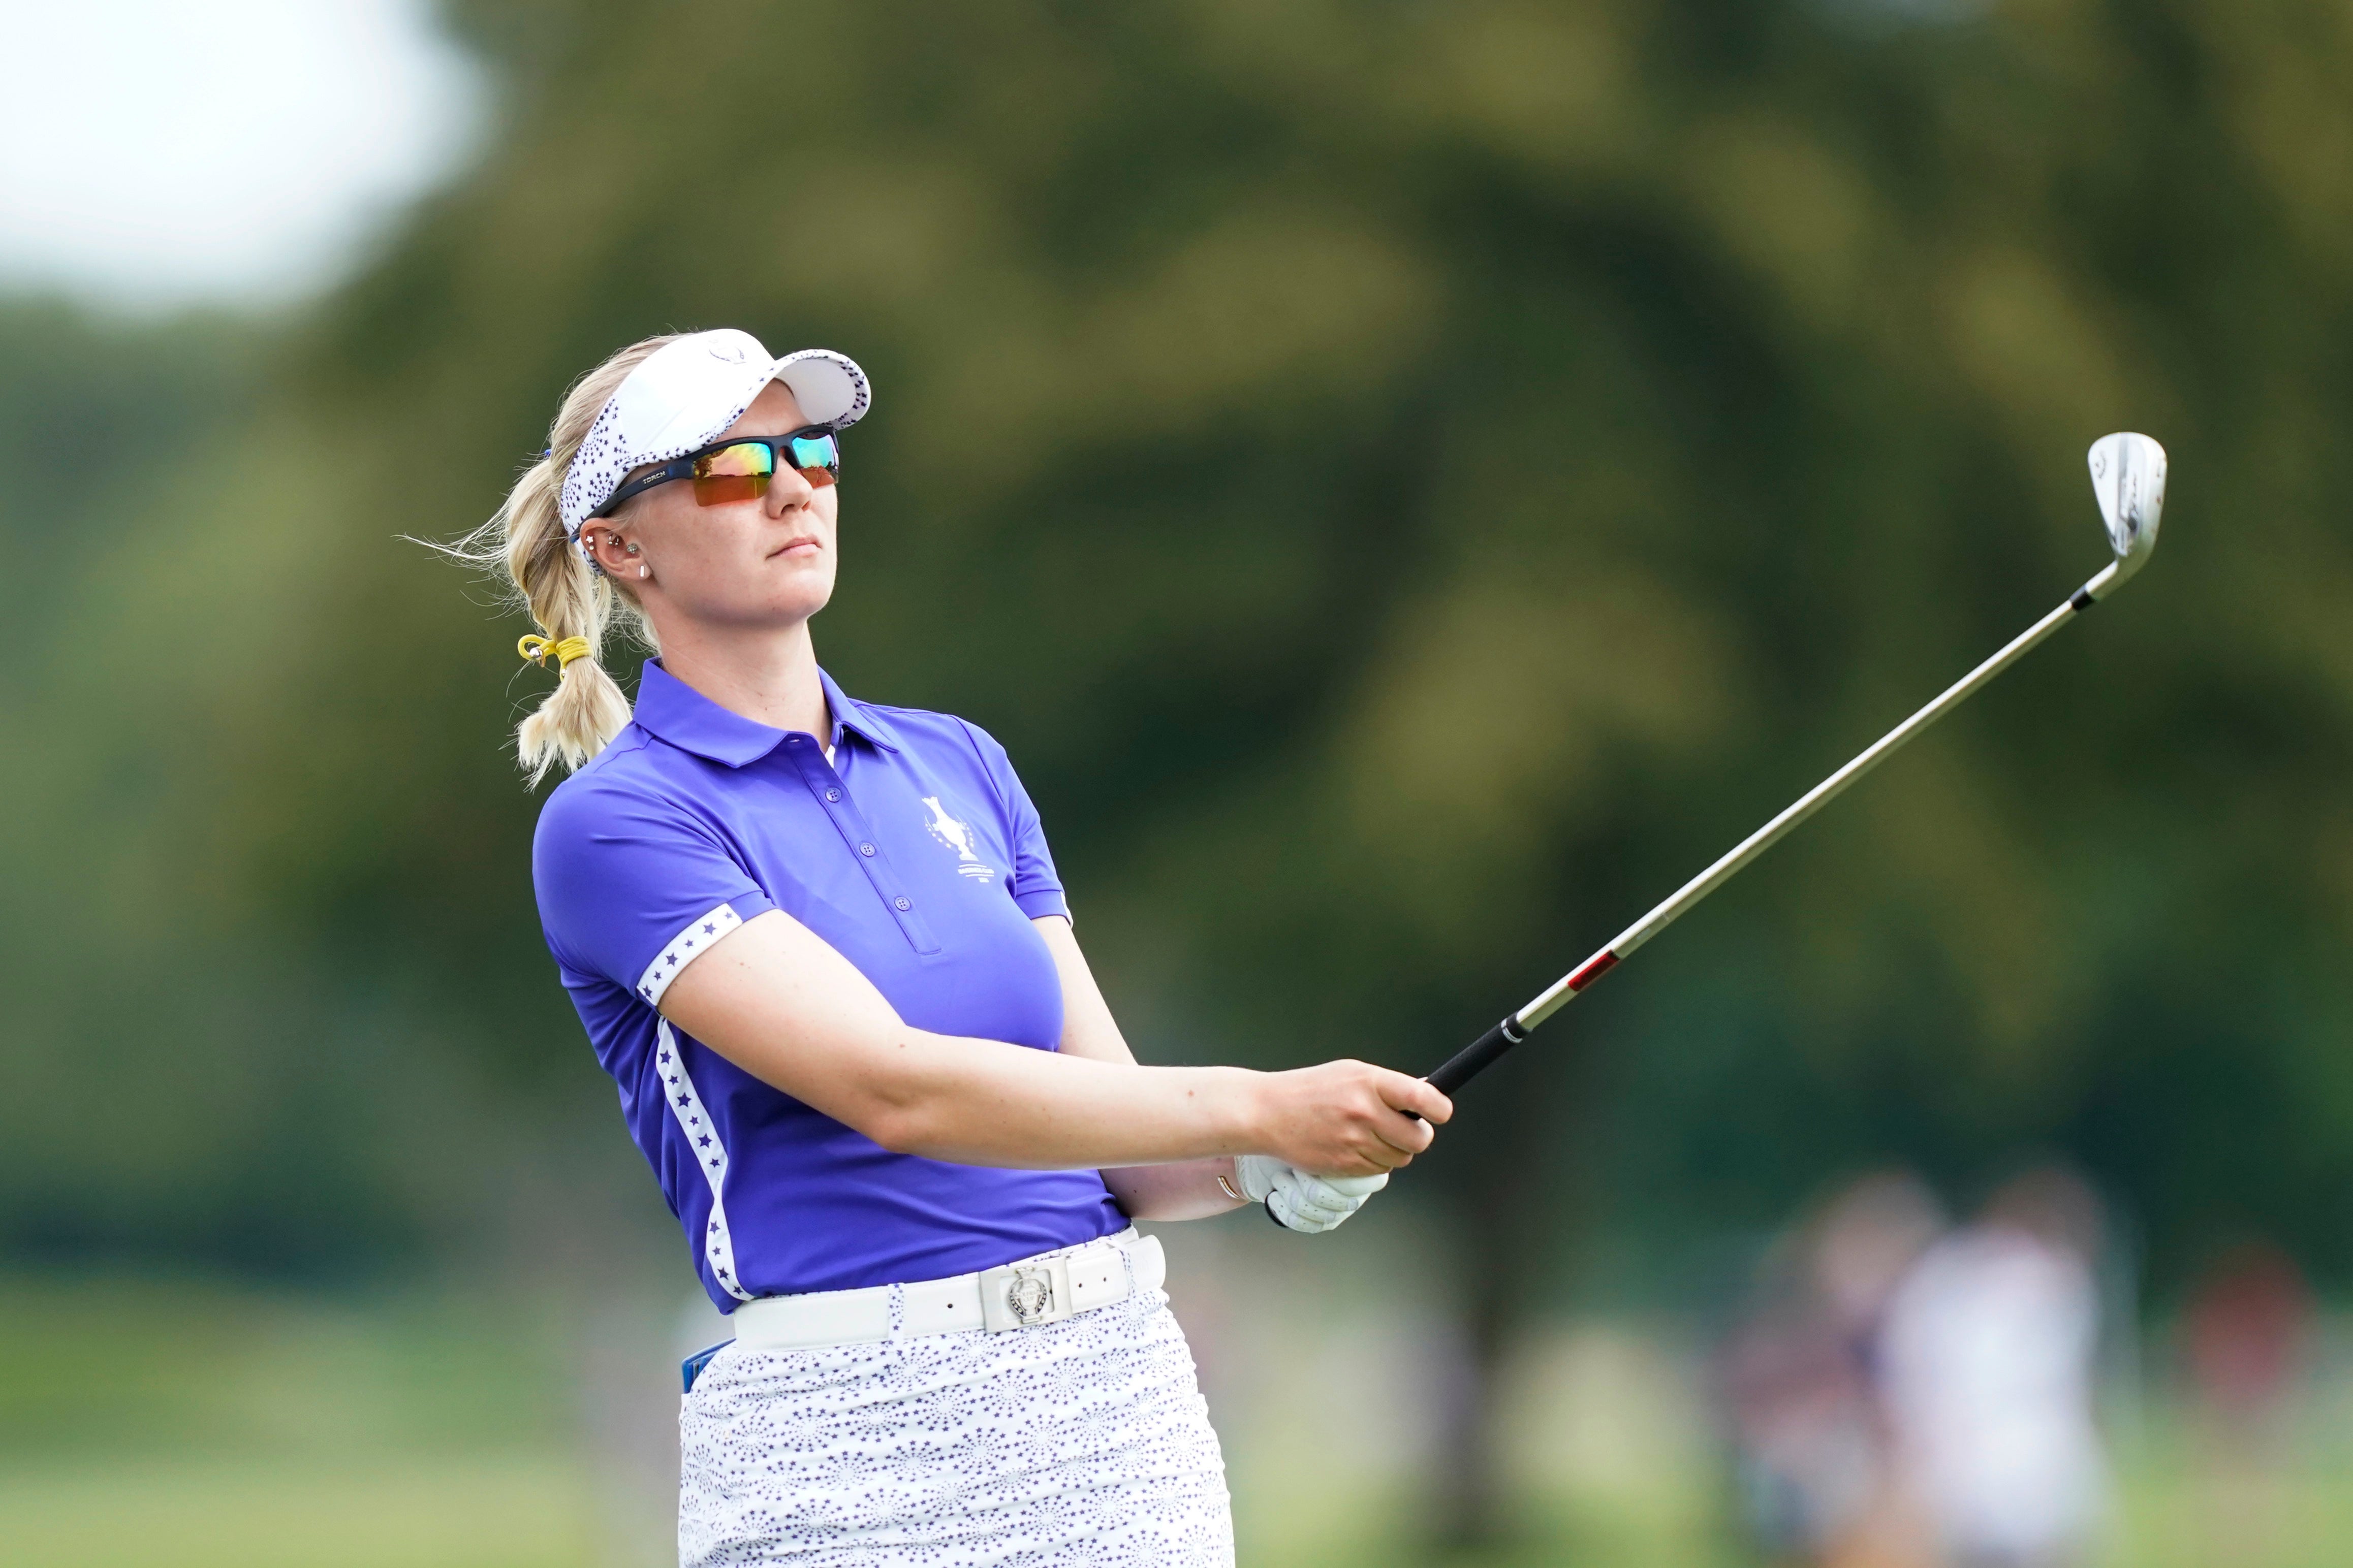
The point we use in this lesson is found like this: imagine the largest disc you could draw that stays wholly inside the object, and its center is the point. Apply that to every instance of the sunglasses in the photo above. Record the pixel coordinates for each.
(740, 470)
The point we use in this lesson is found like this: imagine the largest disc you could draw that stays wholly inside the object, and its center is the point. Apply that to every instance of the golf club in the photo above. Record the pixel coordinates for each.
(2128, 476)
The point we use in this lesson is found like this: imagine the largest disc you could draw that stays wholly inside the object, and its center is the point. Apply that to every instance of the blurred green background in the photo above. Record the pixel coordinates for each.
(1409, 483)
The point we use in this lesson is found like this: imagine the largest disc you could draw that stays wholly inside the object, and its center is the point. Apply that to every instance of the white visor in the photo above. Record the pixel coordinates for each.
(685, 394)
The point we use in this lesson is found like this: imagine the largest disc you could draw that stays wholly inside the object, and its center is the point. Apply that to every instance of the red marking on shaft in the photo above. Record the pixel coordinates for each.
(1599, 964)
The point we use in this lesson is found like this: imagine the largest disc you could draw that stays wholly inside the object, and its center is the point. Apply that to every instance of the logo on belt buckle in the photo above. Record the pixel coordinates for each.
(1030, 1296)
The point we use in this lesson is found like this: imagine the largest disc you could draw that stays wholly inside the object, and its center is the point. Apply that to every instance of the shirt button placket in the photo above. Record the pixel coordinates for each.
(825, 784)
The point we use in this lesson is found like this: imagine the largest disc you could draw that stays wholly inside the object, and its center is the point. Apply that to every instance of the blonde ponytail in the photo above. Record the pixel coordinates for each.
(524, 545)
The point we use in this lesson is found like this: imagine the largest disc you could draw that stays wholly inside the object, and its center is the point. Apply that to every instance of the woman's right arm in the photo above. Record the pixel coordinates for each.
(782, 1004)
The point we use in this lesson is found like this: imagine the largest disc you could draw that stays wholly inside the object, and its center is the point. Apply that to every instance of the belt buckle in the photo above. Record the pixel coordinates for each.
(1024, 1295)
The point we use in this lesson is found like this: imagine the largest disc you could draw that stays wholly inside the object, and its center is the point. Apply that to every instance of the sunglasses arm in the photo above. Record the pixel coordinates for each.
(677, 469)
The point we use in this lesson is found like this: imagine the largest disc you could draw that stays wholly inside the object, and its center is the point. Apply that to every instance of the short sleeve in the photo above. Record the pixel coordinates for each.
(634, 887)
(1035, 884)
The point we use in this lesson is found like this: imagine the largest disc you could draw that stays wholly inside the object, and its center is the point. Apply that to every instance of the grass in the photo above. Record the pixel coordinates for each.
(181, 1423)
(483, 1510)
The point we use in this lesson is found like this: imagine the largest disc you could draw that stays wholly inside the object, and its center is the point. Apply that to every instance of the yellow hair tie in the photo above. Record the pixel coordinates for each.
(566, 649)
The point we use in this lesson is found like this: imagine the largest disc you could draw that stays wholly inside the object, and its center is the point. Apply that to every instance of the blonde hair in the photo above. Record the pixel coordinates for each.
(524, 546)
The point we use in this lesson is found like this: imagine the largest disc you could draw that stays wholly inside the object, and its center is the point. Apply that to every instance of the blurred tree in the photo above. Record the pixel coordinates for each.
(1409, 483)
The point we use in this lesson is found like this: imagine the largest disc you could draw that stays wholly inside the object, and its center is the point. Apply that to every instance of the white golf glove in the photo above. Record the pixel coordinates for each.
(1297, 1201)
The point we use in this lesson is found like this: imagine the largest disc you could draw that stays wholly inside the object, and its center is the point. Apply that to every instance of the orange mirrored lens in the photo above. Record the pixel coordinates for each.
(733, 474)
(722, 488)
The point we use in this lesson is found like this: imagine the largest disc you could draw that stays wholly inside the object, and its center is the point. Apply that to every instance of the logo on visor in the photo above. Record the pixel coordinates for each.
(958, 837)
(732, 354)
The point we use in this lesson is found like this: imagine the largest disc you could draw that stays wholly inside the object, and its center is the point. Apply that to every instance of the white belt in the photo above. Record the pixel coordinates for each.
(1042, 1289)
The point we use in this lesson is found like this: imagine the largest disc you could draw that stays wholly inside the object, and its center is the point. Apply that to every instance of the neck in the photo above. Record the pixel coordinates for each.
(767, 676)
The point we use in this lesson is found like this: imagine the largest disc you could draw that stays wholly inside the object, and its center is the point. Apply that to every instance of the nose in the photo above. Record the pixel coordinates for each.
(787, 489)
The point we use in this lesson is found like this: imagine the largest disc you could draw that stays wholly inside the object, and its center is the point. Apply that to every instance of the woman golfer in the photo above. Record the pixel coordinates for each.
(820, 946)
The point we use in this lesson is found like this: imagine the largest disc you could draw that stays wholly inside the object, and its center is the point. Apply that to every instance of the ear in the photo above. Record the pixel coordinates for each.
(609, 549)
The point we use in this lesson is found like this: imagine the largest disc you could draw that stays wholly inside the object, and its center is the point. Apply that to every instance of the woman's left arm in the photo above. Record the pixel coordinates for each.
(1187, 1191)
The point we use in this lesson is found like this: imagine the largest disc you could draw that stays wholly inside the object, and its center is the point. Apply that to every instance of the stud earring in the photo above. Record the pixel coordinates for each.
(645, 571)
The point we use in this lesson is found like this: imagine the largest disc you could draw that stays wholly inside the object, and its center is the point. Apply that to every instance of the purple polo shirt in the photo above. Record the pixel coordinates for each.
(916, 854)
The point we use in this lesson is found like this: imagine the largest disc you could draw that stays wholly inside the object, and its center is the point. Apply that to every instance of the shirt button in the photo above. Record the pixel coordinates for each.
(791, 740)
(833, 795)
(866, 849)
(902, 903)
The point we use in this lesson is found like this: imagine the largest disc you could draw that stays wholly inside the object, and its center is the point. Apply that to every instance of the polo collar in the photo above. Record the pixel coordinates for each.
(848, 713)
(673, 711)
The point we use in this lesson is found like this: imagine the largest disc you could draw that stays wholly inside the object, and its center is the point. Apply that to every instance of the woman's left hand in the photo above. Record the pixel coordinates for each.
(1300, 1202)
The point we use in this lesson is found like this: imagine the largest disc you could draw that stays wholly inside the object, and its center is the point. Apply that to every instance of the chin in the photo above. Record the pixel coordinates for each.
(797, 601)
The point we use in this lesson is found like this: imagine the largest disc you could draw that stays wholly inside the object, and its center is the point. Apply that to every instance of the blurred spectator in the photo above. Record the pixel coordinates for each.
(2249, 1326)
(1987, 1362)
(1799, 1376)
(2247, 1342)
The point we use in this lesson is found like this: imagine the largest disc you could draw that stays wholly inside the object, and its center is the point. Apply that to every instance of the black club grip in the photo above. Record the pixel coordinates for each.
(1475, 1057)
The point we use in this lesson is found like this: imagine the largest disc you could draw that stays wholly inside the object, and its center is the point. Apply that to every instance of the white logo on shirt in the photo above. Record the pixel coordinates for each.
(958, 837)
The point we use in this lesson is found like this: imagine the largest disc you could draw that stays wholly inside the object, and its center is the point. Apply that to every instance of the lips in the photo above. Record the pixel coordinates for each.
(794, 543)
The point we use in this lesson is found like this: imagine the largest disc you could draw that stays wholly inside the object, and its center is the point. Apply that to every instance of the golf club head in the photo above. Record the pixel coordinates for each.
(2128, 478)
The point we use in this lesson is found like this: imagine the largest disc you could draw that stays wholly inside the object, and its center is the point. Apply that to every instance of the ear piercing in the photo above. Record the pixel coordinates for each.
(615, 540)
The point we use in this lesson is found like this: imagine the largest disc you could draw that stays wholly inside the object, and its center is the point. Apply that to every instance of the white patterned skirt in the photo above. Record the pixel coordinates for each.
(1082, 1442)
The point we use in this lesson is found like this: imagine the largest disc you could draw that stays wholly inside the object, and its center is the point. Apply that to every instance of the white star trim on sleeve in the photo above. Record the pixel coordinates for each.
(684, 948)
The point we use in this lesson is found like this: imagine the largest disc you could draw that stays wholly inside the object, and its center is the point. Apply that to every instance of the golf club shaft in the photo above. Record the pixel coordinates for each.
(1481, 1053)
